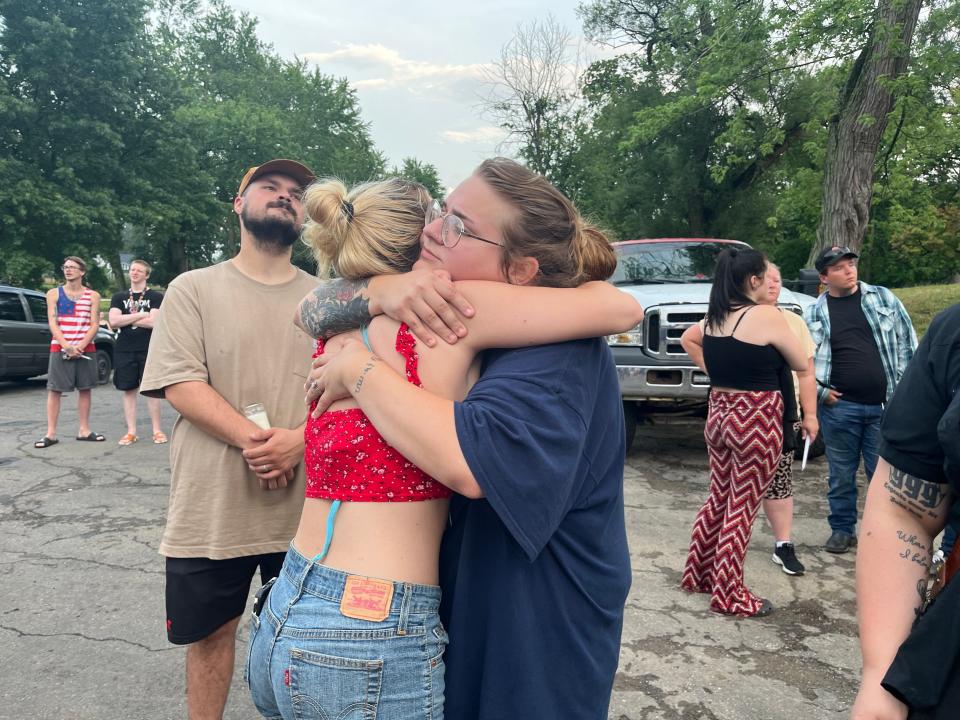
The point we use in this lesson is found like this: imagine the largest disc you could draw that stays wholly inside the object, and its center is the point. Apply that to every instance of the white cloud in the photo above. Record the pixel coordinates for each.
(477, 135)
(384, 66)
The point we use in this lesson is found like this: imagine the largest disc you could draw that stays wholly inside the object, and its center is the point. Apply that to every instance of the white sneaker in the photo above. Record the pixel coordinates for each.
(936, 561)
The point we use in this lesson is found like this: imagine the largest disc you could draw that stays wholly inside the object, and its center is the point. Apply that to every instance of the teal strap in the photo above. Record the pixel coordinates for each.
(331, 516)
(366, 336)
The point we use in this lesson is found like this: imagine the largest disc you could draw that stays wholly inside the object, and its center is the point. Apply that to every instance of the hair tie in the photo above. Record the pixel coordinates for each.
(346, 207)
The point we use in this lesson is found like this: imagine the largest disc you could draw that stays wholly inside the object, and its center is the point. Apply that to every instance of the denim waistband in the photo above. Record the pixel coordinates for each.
(328, 583)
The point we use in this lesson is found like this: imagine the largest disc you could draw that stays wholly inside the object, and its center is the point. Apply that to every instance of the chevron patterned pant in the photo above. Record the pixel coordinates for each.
(744, 434)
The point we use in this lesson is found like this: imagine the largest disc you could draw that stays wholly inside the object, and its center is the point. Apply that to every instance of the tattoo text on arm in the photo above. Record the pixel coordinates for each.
(918, 497)
(370, 364)
(336, 306)
(914, 549)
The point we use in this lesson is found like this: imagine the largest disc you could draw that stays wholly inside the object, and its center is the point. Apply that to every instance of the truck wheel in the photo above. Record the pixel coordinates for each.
(104, 366)
(630, 424)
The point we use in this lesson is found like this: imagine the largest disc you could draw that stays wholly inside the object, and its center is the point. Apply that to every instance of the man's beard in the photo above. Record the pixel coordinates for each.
(271, 233)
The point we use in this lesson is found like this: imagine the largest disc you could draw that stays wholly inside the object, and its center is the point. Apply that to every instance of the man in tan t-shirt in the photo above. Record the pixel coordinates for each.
(224, 341)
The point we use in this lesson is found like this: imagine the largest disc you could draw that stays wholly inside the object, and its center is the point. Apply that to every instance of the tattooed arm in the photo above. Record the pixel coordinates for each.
(902, 516)
(427, 301)
(333, 307)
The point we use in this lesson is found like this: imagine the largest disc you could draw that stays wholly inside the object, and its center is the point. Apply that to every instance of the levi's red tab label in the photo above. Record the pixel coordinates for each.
(366, 598)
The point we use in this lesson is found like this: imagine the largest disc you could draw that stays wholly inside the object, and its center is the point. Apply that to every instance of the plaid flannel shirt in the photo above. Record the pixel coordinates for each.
(892, 331)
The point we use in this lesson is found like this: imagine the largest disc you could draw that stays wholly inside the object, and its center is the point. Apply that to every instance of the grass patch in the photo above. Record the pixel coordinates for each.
(926, 301)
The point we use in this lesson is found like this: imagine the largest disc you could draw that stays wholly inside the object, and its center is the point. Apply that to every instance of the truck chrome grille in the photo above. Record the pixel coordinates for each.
(664, 326)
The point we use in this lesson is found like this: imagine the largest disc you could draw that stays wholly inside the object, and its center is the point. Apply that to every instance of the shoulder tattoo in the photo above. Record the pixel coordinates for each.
(335, 306)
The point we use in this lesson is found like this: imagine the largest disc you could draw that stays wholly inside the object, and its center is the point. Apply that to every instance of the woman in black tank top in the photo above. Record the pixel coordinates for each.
(744, 429)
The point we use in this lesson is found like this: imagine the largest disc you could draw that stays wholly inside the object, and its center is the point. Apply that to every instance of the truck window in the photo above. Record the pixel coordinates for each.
(38, 308)
(11, 308)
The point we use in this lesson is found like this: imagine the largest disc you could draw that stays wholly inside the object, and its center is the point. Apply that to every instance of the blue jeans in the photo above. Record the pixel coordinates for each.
(949, 539)
(850, 430)
(308, 660)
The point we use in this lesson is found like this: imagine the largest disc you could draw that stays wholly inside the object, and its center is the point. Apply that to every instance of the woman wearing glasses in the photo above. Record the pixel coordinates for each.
(353, 621)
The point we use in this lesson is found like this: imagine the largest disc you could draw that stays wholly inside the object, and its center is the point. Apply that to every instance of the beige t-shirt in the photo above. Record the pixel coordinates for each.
(799, 328)
(220, 327)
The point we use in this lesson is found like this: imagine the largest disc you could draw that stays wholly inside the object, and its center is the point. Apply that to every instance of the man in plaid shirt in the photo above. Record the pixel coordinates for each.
(864, 340)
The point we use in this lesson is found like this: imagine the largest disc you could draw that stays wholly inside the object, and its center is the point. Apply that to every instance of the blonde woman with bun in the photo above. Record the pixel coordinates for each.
(353, 620)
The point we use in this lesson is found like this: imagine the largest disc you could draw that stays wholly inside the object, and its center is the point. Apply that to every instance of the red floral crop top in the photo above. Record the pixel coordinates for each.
(347, 458)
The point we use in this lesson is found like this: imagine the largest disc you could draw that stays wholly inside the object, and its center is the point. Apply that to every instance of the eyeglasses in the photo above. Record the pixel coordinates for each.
(452, 228)
(69, 267)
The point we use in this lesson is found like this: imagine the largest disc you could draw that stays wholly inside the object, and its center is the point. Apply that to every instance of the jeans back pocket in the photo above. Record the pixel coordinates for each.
(326, 686)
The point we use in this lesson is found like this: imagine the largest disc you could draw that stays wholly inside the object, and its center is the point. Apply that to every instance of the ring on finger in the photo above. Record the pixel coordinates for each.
(264, 468)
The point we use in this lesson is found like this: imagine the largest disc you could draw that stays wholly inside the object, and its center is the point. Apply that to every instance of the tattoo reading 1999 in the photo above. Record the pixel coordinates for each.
(918, 497)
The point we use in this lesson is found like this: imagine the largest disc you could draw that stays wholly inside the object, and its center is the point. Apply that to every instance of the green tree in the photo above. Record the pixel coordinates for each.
(532, 93)
(70, 75)
(776, 83)
(421, 172)
(127, 124)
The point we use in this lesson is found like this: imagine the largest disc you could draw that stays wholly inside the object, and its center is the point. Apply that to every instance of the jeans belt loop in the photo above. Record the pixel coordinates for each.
(405, 609)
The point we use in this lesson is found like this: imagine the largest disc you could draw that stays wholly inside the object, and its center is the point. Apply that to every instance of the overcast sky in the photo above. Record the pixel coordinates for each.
(416, 66)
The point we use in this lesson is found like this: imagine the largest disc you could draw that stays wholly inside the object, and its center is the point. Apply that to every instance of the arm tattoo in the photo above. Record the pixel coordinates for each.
(914, 550)
(371, 363)
(335, 307)
(924, 592)
(918, 497)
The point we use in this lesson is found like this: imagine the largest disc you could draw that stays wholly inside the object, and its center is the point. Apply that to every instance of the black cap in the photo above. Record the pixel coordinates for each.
(830, 255)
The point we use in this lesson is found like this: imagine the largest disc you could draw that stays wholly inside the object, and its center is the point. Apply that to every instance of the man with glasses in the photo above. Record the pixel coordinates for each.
(864, 339)
(73, 314)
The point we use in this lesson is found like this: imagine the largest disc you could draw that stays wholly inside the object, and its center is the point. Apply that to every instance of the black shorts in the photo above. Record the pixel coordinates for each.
(204, 594)
(128, 369)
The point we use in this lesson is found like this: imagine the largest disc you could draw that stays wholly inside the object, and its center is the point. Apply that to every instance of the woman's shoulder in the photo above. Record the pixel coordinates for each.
(765, 311)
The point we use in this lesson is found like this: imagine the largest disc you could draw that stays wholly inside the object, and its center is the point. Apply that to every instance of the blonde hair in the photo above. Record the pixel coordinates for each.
(372, 229)
(144, 264)
(545, 225)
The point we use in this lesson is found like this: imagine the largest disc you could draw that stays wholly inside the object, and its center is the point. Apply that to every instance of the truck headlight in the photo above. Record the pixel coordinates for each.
(633, 337)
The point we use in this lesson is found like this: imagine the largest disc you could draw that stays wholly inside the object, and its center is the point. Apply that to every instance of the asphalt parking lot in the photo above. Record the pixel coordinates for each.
(82, 618)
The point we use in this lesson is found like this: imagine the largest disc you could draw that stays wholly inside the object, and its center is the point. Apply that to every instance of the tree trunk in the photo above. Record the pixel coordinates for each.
(857, 129)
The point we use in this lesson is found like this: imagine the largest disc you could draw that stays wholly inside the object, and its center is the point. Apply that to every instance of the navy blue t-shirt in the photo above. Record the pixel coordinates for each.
(536, 574)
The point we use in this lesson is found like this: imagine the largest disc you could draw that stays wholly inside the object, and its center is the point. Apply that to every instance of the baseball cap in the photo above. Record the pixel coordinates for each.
(291, 168)
(830, 255)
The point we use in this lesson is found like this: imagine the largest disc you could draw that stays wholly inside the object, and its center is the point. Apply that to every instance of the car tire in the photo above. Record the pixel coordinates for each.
(629, 424)
(104, 366)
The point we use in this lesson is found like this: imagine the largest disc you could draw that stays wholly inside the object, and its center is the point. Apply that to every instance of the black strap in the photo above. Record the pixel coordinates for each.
(742, 315)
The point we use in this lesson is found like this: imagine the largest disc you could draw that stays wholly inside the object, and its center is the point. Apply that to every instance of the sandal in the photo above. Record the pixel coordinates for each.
(128, 439)
(92, 437)
(159, 438)
(45, 442)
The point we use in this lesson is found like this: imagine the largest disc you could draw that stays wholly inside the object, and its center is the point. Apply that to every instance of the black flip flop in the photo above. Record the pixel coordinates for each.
(92, 437)
(45, 442)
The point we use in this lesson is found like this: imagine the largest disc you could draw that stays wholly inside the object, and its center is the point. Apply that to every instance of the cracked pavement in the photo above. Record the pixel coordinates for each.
(82, 618)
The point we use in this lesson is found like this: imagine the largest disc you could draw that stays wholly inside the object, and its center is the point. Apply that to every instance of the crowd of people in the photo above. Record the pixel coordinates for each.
(454, 479)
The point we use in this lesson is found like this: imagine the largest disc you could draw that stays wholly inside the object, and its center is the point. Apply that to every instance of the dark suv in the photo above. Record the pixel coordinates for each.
(25, 336)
